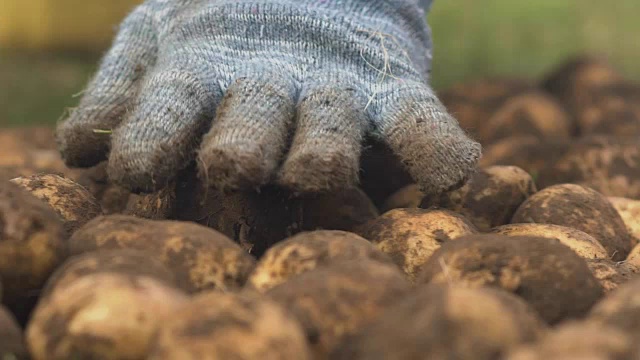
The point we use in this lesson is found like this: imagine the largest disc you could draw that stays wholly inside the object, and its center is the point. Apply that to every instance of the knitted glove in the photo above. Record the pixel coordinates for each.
(262, 91)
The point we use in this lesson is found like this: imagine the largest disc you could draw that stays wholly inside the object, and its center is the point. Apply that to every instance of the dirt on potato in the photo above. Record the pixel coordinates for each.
(612, 274)
(629, 211)
(554, 280)
(581, 208)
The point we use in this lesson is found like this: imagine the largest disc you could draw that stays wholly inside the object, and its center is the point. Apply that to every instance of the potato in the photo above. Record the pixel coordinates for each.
(230, 326)
(155, 206)
(489, 198)
(410, 236)
(335, 301)
(340, 210)
(409, 197)
(12, 346)
(629, 211)
(554, 280)
(634, 256)
(307, 251)
(579, 340)
(126, 262)
(620, 309)
(580, 208)
(200, 258)
(607, 164)
(531, 113)
(437, 322)
(75, 205)
(611, 110)
(612, 274)
(101, 316)
(112, 198)
(32, 243)
(580, 242)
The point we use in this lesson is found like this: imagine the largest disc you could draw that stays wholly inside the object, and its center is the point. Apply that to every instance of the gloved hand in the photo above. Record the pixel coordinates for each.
(263, 91)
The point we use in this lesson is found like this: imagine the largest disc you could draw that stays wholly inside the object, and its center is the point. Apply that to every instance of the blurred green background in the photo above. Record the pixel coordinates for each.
(44, 67)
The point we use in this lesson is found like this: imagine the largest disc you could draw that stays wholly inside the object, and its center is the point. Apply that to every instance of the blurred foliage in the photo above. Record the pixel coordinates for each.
(472, 38)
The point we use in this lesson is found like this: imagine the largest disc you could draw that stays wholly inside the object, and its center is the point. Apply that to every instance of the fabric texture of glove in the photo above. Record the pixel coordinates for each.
(263, 91)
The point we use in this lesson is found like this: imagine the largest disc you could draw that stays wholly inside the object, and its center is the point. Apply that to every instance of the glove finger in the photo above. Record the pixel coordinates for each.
(247, 140)
(326, 148)
(84, 138)
(160, 136)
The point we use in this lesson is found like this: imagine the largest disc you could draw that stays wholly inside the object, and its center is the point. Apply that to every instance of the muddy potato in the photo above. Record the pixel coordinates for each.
(581, 208)
(306, 251)
(12, 346)
(629, 211)
(612, 274)
(579, 340)
(200, 258)
(580, 242)
(532, 113)
(607, 164)
(75, 205)
(340, 210)
(32, 243)
(410, 236)
(408, 197)
(554, 280)
(126, 262)
(335, 301)
(489, 198)
(230, 326)
(101, 316)
(612, 110)
(437, 322)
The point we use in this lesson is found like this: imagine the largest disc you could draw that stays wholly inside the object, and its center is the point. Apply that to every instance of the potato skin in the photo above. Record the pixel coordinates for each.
(629, 211)
(583, 244)
(489, 198)
(75, 205)
(554, 280)
(308, 250)
(436, 322)
(620, 309)
(335, 301)
(410, 236)
(12, 344)
(216, 325)
(200, 258)
(101, 316)
(581, 208)
(612, 274)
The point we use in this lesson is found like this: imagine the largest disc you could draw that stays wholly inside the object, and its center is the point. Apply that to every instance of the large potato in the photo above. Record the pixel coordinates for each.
(335, 301)
(410, 236)
(580, 208)
(580, 242)
(489, 198)
(446, 322)
(553, 279)
(101, 316)
(75, 205)
(216, 326)
(12, 346)
(629, 211)
(307, 251)
(200, 258)
(620, 309)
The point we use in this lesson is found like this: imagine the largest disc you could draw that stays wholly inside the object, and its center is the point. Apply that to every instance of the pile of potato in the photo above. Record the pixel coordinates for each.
(536, 257)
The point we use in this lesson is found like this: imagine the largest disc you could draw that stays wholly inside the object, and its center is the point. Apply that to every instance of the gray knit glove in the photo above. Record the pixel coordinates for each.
(261, 91)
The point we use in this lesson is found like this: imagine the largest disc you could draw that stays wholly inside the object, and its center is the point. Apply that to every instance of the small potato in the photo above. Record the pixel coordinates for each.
(410, 236)
(446, 322)
(216, 326)
(409, 197)
(629, 210)
(126, 262)
(32, 243)
(532, 113)
(12, 346)
(101, 316)
(579, 340)
(75, 205)
(580, 208)
(612, 274)
(307, 251)
(489, 198)
(555, 281)
(342, 210)
(620, 309)
(200, 258)
(580, 242)
(335, 301)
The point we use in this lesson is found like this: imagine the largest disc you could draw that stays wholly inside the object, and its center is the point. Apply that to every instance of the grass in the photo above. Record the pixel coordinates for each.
(472, 38)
